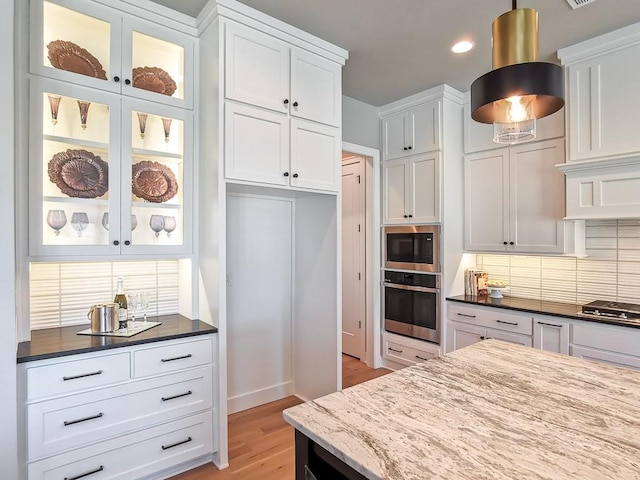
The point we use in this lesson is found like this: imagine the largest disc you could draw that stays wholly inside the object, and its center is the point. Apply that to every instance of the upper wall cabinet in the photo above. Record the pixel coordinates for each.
(90, 44)
(264, 71)
(479, 136)
(602, 95)
(412, 131)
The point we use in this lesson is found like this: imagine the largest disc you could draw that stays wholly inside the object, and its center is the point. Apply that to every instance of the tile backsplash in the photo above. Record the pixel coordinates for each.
(611, 270)
(61, 293)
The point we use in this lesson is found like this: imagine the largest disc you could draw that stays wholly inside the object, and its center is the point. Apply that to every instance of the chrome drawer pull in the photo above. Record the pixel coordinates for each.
(167, 447)
(549, 324)
(394, 350)
(421, 358)
(99, 372)
(82, 475)
(507, 323)
(465, 315)
(163, 360)
(80, 420)
(164, 399)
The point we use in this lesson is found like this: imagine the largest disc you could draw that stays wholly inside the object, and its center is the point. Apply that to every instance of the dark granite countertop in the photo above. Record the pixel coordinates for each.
(58, 342)
(555, 309)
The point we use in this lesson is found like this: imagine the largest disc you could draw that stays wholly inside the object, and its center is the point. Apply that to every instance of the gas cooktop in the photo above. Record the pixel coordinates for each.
(622, 312)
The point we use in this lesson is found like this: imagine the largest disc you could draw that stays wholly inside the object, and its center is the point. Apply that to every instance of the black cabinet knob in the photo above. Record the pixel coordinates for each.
(505, 243)
(511, 243)
(286, 174)
(409, 148)
(410, 216)
(295, 104)
(482, 338)
(127, 81)
(405, 148)
(286, 101)
(295, 175)
(116, 243)
(127, 242)
(116, 79)
(406, 216)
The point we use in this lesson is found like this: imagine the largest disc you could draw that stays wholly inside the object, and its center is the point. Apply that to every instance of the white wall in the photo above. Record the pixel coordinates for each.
(360, 123)
(8, 407)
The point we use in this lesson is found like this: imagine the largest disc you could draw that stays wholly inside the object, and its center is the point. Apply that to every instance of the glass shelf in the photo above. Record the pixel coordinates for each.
(171, 206)
(92, 201)
(142, 152)
(77, 141)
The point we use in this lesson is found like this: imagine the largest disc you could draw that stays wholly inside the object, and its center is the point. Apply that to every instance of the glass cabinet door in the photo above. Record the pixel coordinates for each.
(157, 63)
(78, 42)
(74, 170)
(157, 178)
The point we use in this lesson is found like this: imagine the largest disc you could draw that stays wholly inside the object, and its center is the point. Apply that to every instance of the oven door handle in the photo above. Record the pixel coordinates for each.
(412, 288)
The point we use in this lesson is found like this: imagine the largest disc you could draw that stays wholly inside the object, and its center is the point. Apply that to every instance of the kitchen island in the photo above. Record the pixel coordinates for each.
(492, 410)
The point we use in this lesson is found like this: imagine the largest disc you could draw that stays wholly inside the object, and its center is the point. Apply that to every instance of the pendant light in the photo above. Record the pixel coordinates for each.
(519, 89)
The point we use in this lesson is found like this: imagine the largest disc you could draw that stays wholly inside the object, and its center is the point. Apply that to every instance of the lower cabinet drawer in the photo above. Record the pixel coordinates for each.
(169, 358)
(132, 456)
(623, 340)
(70, 422)
(491, 317)
(407, 351)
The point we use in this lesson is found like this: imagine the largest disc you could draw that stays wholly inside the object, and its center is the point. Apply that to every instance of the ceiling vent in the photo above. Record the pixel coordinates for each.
(579, 3)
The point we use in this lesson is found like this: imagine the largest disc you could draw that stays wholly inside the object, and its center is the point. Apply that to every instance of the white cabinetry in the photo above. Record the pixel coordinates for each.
(469, 324)
(407, 351)
(412, 131)
(606, 343)
(515, 199)
(85, 412)
(551, 334)
(412, 189)
(286, 130)
(603, 171)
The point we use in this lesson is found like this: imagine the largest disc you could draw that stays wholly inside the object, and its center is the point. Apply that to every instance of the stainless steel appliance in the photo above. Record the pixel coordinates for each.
(620, 312)
(412, 247)
(412, 304)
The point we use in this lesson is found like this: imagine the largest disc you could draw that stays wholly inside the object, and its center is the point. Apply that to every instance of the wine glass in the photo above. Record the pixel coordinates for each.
(156, 222)
(84, 111)
(105, 220)
(144, 305)
(133, 303)
(142, 122)
(134, 222)
(169, 225)
(56, 219)
(79, 222)
(166, 124)
(54, 103)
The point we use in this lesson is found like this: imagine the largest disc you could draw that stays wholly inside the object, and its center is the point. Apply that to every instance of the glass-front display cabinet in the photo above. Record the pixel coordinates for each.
(88, 43)
(108, 174)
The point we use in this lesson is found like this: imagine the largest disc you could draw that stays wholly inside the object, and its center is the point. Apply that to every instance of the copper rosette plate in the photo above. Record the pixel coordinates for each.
(153, 182)
(79, 173)
(153, 79)
(73, 58)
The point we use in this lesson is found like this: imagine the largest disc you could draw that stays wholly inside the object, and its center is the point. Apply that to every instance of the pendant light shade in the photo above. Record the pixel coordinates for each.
(519, 89)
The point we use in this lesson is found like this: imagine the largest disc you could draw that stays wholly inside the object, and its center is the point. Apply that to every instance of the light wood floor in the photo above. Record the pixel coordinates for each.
(261, 443)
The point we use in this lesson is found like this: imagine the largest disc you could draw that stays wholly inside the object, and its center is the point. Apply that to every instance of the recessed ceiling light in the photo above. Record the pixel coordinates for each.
(463, 46)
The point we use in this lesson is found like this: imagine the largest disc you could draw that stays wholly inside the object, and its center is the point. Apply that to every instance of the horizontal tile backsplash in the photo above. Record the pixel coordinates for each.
(61, 293)
(611, 270)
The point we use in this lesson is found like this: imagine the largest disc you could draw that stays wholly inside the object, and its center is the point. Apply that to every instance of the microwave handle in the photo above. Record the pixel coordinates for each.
(412, 288)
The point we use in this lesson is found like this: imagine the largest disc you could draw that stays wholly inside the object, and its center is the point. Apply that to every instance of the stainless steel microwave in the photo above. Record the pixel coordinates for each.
(412, 247)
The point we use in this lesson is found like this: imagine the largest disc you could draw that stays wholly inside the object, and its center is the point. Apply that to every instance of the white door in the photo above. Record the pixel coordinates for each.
(395, 190)
(424, 128)
(353, 259)
(315, 155)
(395, 136)
(424, 206)
(259, 293)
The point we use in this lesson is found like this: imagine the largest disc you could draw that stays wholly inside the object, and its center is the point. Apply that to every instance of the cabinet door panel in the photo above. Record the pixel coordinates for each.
(425, 188)
(486, 186)
(551, 335)
(536, 204)
(460, 335)
(256, 145)
(516, 338)
(605, 356)
(396, 191)
(256, 68)
(315, 155)
(394, 136)
(316, 88)
(424, 128)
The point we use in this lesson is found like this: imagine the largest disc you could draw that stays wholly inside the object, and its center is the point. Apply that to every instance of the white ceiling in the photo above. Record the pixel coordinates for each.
(400, 47)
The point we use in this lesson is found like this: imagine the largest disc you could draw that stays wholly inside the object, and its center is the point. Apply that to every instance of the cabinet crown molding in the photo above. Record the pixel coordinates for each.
(608, 165)
(607, 42)
(154, 12)
(436, 93)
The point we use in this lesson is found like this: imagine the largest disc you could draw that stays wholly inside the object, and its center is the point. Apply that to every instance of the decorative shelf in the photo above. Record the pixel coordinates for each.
(172, 206)
(92, 201)
(77, 141)
(142, 152)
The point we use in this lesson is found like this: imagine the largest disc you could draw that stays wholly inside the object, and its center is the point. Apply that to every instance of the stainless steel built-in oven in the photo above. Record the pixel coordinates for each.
(412, 247)
(412, 304)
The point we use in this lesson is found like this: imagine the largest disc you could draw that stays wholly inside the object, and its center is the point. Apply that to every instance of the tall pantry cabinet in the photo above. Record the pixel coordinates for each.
(269, 204)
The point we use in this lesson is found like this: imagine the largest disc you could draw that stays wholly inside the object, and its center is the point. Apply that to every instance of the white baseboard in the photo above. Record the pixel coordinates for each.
(259, 397)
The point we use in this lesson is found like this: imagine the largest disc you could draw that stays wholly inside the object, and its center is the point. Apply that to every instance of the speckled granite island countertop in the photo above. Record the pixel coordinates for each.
(492, 410)
(57, 342)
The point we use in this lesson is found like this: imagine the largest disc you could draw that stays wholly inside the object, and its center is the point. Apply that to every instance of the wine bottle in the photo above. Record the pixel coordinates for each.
(121, 300)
